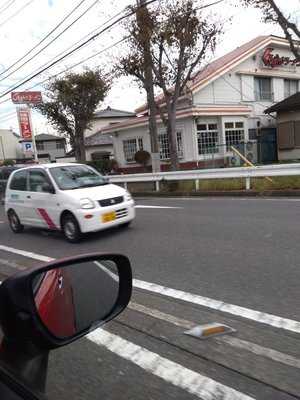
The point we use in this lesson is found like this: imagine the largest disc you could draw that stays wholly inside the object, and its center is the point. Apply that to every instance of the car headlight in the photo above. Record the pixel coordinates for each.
(128, 196)
(87, 204)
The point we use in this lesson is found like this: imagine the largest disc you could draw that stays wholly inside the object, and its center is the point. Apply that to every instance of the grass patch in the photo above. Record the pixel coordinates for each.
(257, 184)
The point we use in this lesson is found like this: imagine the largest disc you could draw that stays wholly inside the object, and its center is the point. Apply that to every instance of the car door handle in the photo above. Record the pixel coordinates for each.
(28, 197)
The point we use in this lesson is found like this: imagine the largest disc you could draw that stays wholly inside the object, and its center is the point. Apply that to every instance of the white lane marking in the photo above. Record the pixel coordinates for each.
(232, 341)
(163, 207)
(1, 222)
(257, 316)
(221, 198)
(274, 355)
(172, 372)
(115, 277)
(27, 254)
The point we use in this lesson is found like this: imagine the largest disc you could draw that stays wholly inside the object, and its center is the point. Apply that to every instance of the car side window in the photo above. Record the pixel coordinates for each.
(36, 181)
(19, 181)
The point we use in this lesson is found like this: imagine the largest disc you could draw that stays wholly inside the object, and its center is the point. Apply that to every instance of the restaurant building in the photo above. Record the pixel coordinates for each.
(224, 107)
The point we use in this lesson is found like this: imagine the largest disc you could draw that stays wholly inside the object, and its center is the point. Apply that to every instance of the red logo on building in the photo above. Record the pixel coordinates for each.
(275, 60)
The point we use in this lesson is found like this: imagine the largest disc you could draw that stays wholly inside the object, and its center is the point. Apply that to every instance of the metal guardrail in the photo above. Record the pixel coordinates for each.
(220, 173)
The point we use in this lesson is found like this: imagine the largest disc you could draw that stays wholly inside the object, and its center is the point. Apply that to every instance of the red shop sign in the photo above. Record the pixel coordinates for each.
(275, 60)
(25, 122)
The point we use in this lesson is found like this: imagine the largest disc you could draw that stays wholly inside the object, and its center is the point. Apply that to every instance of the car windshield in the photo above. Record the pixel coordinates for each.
(76, 177)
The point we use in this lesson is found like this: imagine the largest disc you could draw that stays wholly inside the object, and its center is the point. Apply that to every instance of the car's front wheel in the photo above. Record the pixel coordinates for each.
(14, 222)
(71, 228)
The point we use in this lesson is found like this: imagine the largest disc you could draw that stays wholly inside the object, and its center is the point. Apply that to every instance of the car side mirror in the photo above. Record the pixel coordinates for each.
(56, 304)
(48, 188)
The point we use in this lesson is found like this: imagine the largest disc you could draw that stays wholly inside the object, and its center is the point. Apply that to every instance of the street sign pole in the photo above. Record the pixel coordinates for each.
(36, 158)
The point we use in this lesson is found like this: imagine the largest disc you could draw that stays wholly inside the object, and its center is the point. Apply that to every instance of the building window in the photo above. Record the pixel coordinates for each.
(130, 147)
(290, 87)
(234, 133)
(40, 146)
(60, 145)
(164, 148)
(263, 89)
(208, 138)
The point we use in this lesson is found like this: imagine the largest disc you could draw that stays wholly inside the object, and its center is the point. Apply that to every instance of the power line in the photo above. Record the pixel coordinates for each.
(16, 13)
(6, 5)
(44, 38)
(77, 48)
(74, 44)
(53, 40)
(72, 66)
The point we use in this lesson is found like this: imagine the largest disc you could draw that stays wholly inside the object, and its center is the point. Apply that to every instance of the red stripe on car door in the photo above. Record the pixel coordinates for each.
(47, 218)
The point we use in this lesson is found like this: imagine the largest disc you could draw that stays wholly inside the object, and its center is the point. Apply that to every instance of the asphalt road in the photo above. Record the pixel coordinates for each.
(240, 252)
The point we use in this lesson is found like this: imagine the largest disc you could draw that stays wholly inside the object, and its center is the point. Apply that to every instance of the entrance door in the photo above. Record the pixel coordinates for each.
(267, 146)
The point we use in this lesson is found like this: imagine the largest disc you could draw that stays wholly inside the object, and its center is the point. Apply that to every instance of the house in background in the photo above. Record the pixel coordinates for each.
(10, 148)
(99, 146)
(224, 107)
(106, 117)
(288, 127)
(49, 147)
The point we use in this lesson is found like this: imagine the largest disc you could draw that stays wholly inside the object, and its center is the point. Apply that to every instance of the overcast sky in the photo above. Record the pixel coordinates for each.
(23, 23)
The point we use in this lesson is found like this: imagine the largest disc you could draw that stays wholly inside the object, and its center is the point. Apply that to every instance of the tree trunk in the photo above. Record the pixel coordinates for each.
(149, 87)
(79, 147)
(171, 132)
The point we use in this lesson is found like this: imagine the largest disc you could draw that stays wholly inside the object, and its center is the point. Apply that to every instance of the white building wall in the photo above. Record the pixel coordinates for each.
(185, 126)
(247, 88)
(224, 90)
(132, 133)
(9, 145)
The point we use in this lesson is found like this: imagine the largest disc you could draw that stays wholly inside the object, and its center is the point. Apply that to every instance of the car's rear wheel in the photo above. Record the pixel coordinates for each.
(71, 229)
(14, 222)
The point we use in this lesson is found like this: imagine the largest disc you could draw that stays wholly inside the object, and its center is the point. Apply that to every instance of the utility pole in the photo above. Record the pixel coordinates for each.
(142, 17)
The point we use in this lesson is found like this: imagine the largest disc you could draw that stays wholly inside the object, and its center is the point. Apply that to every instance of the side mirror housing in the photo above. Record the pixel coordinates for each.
(60, 302)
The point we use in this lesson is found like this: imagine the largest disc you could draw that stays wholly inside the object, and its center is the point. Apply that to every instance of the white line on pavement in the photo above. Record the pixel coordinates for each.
(115, 277)
(27, 254)
(163, 207)
(232, 341)
(172, 372)
(1, 222)
(257, 316)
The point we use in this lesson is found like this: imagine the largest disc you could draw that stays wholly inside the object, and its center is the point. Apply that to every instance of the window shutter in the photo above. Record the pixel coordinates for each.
(286, 135)
(297, 133)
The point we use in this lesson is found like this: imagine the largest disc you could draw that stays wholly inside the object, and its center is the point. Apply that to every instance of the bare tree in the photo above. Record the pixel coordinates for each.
(180, 37)
(273, 14)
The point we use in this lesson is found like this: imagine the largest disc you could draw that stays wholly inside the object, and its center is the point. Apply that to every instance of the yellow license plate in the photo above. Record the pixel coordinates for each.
(109, 217)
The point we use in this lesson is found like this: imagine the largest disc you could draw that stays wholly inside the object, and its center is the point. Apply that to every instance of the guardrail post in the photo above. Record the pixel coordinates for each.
(197, 184)
(157, 186)
(248, 183)
(125, 185)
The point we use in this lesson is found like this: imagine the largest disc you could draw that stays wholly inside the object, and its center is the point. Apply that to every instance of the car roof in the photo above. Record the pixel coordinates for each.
(49, 166)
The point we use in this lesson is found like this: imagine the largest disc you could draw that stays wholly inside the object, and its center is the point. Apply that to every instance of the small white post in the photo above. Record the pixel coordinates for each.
(157, 186)
(125, 185)
(248, 183)
(197, 185)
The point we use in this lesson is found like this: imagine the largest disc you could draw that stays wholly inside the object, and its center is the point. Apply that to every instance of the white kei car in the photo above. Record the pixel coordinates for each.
(73, 198)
